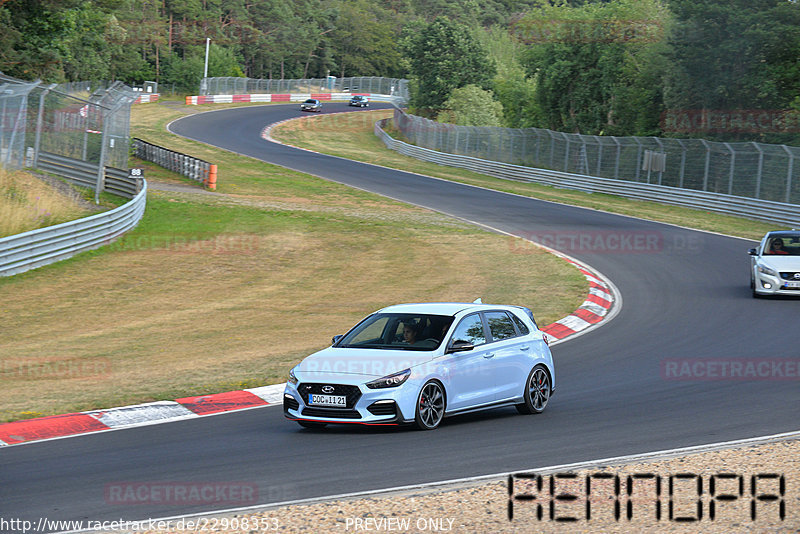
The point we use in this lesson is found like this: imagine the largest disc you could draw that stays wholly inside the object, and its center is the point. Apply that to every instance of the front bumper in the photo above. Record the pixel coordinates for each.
(387, 406)
(766, 284)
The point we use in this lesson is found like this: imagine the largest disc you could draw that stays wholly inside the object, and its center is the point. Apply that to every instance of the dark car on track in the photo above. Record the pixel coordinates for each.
(311, 104)
(359, 101)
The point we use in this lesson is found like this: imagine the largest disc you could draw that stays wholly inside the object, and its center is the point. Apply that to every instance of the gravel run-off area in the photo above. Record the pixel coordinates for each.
(483, 507)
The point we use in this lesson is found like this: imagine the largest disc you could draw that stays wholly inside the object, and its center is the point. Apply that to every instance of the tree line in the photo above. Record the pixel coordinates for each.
(720, 69)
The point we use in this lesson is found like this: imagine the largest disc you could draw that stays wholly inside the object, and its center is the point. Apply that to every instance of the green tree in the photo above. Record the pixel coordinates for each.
(737, 55)
(443, 57)
(472, 106)
(598, 67)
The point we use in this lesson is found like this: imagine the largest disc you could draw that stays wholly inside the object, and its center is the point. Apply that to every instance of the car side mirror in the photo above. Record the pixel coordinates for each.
(336, 339)
(753, 252)
(459, 346)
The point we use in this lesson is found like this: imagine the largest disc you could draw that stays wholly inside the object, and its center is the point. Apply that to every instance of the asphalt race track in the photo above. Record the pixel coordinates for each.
(685, 297)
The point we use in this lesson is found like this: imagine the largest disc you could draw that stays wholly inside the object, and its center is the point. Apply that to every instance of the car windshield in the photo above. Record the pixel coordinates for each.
(398, 331)
(311, 101)
(783, 244)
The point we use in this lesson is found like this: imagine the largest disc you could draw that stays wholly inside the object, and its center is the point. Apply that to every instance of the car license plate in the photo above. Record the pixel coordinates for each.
(327, 400)
(791, 285)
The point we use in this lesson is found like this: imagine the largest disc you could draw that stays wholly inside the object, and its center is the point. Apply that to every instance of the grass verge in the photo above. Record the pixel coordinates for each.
(28, 203)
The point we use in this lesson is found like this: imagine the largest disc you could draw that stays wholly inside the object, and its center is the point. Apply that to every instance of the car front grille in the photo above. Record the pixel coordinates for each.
(334, 413)
(792, 275)
(351, 392)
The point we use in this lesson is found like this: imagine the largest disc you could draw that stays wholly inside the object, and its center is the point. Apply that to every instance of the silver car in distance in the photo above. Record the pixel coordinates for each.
(775, 264)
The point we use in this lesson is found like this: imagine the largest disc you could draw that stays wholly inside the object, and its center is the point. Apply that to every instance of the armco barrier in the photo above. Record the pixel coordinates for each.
(84, 174)
(22, 252)
(777, 212)
(189, 166)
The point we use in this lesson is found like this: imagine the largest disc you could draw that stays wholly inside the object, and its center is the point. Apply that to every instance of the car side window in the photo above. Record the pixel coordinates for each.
(500, 326)
(470, 329)
(521, 326)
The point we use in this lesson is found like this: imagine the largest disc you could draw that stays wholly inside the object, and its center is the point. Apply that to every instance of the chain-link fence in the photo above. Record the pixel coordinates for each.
(362, 84)
(82, 121)
(753, 170)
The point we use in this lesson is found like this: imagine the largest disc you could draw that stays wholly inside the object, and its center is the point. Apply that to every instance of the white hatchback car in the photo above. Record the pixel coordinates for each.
(418, 363)
(775, 264)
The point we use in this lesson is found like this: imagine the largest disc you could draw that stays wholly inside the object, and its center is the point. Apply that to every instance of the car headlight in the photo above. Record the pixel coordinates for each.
(292, 378)
(766, 270)
(391, 381)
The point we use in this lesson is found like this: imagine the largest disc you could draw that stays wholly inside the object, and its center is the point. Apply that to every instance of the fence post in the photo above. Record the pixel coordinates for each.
(599, 154)
(733, 164)
(101, 164)
(789, 174)
(566, 153)
(39, 120)
(760, 169)
(619, 155)
(638, 157)
(660, 149)
(708, 161)
(683, 163)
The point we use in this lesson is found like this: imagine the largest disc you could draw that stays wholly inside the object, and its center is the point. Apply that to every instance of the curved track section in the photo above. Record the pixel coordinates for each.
(686, 298)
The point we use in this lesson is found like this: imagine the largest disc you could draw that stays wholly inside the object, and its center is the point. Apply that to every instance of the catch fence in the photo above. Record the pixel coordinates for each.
(70, 120)
(396, 87)
(751, 170)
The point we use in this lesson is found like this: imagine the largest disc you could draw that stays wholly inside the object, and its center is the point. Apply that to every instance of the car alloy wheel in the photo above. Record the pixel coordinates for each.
(430, 406)
(537, 391)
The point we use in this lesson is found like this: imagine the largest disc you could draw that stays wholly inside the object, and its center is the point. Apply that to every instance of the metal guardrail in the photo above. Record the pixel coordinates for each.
(22, 252)
(777, 212)
(743, 169)
(84, 174)
(189, 166)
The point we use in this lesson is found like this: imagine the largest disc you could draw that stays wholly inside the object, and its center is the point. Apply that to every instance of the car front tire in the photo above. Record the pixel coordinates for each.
(430, 406)
(537, 391)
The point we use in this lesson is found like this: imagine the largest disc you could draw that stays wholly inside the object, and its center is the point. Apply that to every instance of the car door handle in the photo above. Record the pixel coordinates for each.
(526, 347)
(489, 355)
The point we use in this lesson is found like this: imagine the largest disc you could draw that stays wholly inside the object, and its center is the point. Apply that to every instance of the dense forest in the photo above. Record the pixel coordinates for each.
(725, 69)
